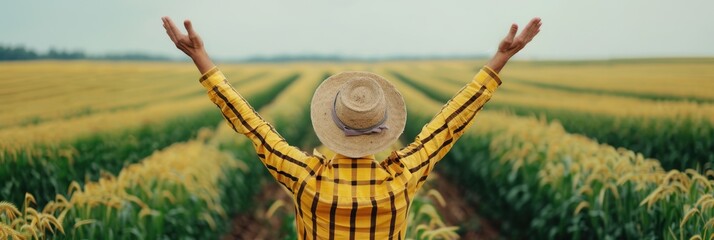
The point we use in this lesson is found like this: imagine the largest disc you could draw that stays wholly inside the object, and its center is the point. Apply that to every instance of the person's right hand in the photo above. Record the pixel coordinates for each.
(190, 44)
(511, 44)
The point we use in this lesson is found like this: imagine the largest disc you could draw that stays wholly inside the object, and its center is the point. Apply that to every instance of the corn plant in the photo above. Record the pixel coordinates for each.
(31, 222)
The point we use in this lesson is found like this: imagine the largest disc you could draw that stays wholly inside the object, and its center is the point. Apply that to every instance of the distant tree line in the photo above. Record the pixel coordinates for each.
(10, 53)
(17, 53)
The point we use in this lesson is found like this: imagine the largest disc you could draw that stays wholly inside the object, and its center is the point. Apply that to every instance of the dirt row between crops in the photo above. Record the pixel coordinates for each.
(256, 225)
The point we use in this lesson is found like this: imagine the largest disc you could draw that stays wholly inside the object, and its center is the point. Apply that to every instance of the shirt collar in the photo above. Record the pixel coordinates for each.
(339, 158)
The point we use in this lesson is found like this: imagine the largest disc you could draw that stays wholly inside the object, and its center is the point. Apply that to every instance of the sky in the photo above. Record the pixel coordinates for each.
(572, 29)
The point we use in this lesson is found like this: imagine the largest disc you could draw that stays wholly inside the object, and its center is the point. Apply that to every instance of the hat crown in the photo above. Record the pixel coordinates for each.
(360, 103)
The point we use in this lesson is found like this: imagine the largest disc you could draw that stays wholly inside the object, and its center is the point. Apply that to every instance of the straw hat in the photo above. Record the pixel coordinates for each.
(357, 113)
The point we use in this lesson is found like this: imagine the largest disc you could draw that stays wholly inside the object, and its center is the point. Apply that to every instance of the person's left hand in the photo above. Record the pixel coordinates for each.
(190, 44)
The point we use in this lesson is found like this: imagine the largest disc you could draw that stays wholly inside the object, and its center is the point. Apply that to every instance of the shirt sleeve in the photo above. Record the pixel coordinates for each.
(284, 162)
(438, 136)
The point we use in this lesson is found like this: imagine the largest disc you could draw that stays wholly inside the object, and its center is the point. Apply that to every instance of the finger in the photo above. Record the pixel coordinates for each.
(189, 28)
(173, 27)
(512, 32)
(532, 29)
(535, 21)
(166, 23)
(169, 30)
(530, 26)
(536, 25)
(170, 35)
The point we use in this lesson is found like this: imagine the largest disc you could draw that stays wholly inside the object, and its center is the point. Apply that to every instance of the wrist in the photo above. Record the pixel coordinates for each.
(202, 61)
(199, 55)
(498, 61)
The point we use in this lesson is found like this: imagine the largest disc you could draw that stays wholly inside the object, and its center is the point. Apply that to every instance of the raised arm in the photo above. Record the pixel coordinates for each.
(439, 135)
(284, 162)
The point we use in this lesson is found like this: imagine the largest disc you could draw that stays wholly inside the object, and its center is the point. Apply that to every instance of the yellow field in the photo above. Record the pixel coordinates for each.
(680, 79)
(518, 93)
(157, 107)
(45, 91)
(685, 78)
(617, 149)
(677, 127)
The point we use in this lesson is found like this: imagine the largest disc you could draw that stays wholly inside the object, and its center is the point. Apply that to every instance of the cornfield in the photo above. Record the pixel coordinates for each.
(677, 130)
(582, 150)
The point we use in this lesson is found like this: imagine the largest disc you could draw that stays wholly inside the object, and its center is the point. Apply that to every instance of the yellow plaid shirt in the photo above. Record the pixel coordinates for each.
(353, 198)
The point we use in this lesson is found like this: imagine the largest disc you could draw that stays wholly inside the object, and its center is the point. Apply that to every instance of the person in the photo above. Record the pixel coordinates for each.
(355, 114)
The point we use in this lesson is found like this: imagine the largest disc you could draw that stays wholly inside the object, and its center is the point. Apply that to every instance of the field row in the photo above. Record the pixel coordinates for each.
(45, 93)
(662, 80)
(679, 134)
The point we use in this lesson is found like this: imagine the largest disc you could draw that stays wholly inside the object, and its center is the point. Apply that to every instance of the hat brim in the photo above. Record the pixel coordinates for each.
(356, 146)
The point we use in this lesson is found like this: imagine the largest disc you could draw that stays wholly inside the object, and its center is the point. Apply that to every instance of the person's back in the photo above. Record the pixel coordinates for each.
(355, 198)
(355, 114)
